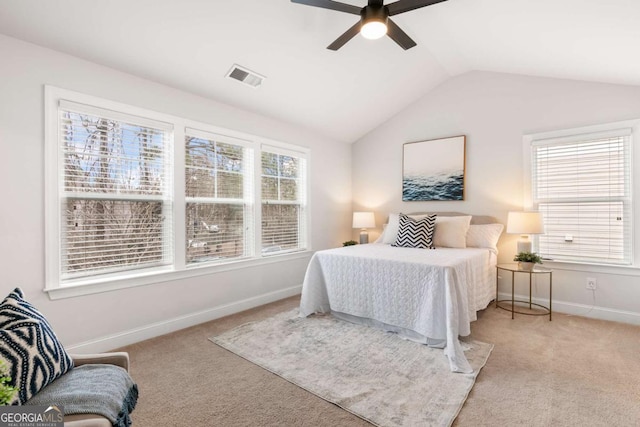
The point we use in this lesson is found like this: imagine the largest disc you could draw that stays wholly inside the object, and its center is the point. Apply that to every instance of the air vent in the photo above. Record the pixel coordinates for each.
(245, 76)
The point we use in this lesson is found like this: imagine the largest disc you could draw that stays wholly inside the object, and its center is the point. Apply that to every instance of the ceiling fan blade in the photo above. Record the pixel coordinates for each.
(399, 36)
(333, 5)
(348, 35)
(402, 6)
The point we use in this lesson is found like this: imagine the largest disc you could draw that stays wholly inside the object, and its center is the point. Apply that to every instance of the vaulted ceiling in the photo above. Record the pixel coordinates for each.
(191, 44)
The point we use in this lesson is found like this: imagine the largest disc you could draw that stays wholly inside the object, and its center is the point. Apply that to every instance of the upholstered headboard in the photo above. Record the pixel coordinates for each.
(475, 219)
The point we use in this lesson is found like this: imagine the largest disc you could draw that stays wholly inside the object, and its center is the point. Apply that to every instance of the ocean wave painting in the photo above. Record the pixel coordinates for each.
(434, 170)
(437, 187)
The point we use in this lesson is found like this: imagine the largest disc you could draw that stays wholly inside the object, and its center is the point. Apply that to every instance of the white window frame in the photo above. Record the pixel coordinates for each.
(528, 202)
(302, 200)
(164, 197)
(178, 269)
(249, 190)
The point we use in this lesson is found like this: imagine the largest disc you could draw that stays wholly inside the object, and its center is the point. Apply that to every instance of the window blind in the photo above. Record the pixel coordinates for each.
(581, 185)
(115, 196)
(284, 224)
(219, 194)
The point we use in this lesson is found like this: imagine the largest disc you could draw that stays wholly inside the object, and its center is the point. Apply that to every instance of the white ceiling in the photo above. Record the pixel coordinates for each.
(191, 44)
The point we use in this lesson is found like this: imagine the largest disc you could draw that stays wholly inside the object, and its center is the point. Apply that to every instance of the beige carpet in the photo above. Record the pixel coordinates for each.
(378, 376)
(569, 372)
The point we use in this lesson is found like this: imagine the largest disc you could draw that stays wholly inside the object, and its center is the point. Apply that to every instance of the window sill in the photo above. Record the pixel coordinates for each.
(619, 270)
(95, 286)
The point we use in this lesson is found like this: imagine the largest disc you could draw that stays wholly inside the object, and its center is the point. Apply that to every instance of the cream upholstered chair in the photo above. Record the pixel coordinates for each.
(94, 420)
(44, 373)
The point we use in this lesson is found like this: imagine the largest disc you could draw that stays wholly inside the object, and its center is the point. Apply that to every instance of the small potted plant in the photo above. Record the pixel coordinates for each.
(6, 390)
(527, 260)
(349, 243)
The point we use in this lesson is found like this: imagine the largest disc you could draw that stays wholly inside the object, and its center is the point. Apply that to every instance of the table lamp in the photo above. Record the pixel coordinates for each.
(525, 224)
(364, 220)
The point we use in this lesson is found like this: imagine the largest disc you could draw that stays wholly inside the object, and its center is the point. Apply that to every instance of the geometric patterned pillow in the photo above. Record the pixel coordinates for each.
(416, 233)
(29, 347)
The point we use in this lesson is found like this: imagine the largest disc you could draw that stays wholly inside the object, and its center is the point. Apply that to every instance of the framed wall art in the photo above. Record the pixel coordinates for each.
(433, 169)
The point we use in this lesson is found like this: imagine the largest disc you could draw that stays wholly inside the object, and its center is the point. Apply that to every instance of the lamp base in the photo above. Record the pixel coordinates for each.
(364, 237)
(524, 245)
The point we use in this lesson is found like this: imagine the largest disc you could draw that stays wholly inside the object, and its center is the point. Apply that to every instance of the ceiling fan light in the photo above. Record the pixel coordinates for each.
(373, 30)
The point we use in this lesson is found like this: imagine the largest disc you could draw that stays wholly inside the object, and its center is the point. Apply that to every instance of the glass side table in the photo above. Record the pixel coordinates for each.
(514, 268)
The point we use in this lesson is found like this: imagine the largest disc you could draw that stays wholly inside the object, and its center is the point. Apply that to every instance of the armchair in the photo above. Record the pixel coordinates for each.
(94, 420)
(120, 359)
(99, 388)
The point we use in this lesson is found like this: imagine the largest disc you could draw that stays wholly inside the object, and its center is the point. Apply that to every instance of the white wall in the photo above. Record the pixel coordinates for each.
(119, 317)
(494, 111)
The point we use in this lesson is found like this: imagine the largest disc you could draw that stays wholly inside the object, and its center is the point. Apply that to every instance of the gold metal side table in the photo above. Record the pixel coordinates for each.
(514, 268)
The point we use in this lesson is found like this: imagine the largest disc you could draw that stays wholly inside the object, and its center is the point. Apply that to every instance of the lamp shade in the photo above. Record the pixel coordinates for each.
(525, 223)
(363, 220)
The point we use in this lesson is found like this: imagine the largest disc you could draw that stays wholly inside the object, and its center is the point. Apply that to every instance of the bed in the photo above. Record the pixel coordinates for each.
(426, 295)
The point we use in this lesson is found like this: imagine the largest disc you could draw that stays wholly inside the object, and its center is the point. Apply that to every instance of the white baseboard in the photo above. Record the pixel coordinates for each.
(132, 336)
(575, 309)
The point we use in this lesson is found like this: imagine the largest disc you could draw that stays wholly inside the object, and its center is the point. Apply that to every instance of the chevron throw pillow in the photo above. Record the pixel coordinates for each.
(416, 233)
(33, 354)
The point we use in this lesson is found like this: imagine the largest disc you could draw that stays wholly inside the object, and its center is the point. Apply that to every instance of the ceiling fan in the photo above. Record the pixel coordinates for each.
(374, 19)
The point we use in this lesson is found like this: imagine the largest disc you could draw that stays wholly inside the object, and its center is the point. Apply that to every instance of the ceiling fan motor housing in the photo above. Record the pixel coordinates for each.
(374, 12)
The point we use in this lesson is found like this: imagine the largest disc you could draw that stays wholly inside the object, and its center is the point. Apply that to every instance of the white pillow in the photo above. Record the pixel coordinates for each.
(390, 232)
(451, 231)
(484, 235)
(380, 238)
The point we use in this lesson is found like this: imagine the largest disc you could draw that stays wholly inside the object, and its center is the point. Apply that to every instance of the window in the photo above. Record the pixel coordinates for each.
(219, 198)
(283, 201)
(114, 198)
(581, 183)
(133, 194)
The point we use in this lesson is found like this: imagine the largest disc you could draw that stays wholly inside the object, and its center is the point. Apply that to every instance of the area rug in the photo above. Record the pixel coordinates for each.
(373, 374)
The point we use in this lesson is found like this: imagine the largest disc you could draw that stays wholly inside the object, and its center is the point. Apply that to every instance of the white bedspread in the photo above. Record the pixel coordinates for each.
(434, 293)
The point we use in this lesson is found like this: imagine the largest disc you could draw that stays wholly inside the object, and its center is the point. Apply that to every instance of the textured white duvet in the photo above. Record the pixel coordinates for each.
(434, 293)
